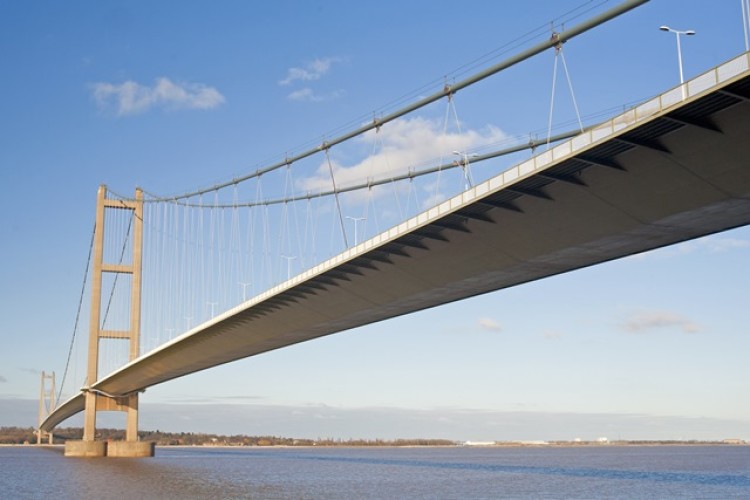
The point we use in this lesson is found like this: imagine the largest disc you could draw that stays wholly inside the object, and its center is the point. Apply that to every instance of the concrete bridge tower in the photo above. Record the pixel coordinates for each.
(97, 401)
(46, 404)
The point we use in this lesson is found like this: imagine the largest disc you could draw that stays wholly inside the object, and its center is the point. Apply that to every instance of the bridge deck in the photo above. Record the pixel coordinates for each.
(667, 171)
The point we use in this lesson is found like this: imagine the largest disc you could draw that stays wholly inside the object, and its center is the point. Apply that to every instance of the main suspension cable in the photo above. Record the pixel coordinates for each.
(78, 314)
(445, 92)
(370, 183)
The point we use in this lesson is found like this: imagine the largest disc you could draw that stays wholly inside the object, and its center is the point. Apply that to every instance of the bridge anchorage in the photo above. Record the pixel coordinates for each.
(96, 401)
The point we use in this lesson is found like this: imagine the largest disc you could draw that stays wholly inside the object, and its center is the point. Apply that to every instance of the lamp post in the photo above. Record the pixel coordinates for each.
(465, 166)
(244, 289)
(356, 221)
(289, 259)
(679, 50)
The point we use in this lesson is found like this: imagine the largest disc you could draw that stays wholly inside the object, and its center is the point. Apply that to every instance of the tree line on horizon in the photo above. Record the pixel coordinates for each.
(27, 435)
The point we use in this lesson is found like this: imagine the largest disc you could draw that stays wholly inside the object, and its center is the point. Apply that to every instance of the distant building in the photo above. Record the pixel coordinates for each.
(733, 441)
(479, 443)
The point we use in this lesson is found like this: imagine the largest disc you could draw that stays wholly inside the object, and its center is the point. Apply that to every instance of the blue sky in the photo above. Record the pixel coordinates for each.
(175, 97)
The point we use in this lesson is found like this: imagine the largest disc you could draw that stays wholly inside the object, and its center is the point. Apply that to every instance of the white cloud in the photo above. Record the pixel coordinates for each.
(198, 400)
(402, 145)
(3, 379)
(717, 244)
(313, 70)
(489, 324)
(131, 98)
(712, 244)
(433, 200)
(643, 321)
(307, 94)
(552, 335)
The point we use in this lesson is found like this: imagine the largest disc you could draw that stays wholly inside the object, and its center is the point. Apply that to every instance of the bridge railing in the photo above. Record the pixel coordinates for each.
(663, 102)
(642, 112)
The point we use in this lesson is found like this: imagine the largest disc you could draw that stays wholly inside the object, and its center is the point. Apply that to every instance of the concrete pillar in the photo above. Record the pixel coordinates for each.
(131, 429)
(41, 412)
(89, 419)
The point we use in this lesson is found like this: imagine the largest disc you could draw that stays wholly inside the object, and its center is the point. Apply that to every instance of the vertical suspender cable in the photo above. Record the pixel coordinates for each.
(570, 86)
(436, 194)
(336, 196)
(236, 250)
(114, 284)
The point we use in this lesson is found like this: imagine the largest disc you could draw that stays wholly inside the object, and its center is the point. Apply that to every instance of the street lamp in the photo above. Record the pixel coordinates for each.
(289, 259)
(465, 165)
(679, 49)
(244, 288)
(356, 221)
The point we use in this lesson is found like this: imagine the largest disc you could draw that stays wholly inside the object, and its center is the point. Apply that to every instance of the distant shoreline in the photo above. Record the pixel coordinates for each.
(517, 445)
(555, 444)
(26, 436)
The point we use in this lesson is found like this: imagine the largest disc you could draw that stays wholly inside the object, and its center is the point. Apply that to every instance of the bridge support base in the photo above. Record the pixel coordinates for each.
(132, 449)
(86, 449)
(95, 449)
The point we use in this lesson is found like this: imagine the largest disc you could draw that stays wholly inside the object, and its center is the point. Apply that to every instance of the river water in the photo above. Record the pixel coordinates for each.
(718, 472)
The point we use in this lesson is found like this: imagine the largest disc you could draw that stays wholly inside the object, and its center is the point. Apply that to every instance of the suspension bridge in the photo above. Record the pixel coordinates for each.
(185, 283)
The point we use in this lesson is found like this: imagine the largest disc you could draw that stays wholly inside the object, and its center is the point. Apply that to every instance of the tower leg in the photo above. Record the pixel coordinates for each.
(131, 430)
(89, 417)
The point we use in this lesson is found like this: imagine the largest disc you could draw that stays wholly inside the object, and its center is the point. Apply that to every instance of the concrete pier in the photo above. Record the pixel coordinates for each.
(121, 449)
(86, 449)
(132, 449)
